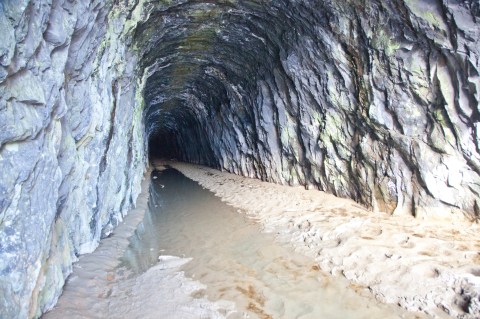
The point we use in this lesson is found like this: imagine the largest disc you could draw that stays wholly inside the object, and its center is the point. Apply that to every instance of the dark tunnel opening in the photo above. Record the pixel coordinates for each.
(163, 147)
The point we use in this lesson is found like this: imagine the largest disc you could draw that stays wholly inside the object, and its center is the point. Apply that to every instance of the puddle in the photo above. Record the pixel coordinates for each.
(236, 261)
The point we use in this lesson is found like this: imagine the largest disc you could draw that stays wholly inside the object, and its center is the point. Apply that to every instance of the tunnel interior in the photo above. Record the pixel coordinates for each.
(201, 94)
(347, 98)
(373, 100)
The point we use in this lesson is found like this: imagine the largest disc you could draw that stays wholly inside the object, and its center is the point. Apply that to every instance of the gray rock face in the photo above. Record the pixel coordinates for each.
(373, 100)
(71, 141)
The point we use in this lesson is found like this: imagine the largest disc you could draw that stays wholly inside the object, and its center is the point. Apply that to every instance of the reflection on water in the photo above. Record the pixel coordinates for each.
(235, 260)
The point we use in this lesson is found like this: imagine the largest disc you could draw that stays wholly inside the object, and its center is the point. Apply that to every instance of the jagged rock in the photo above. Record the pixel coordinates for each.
(71, 142)
(372, 100)
(376, 101)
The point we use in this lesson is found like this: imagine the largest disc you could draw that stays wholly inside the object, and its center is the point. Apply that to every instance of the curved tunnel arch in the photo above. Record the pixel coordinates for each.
(215, 53)
(325, 98)
(374, 100)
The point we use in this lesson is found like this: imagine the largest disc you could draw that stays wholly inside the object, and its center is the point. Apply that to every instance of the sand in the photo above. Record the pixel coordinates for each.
(421, 265)
(98, 288)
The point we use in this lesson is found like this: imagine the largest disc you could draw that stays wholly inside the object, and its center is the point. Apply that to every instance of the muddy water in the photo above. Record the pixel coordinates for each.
(236, 261)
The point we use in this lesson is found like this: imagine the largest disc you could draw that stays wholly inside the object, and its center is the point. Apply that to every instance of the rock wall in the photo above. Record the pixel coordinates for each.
(373, 100)
(71, 140)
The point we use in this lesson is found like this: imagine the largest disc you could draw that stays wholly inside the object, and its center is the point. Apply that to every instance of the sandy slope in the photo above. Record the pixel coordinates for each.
(431, 266)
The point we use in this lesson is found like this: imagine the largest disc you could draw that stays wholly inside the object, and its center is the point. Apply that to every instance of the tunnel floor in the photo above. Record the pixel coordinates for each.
(190, 255)
(234, 259)
(236, 265)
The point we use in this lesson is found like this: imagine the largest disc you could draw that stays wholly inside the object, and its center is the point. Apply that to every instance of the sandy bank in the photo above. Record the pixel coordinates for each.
(429, 266)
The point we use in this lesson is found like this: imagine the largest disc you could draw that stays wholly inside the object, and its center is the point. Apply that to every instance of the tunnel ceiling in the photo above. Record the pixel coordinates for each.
(371, 100)
(205, 60)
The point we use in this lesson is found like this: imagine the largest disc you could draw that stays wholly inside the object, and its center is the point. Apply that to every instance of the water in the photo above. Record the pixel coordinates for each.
(236, 261)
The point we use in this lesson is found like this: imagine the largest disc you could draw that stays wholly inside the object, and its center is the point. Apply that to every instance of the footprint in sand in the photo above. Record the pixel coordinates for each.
(371, 233)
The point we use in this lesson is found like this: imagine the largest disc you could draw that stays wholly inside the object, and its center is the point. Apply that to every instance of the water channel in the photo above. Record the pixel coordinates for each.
(235, 260)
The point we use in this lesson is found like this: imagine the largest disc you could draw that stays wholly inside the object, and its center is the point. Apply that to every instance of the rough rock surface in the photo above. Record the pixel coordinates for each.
(71, 141)
(371, 100)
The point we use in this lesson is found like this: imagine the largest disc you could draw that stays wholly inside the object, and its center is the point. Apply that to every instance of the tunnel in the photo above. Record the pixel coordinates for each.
(374, 101)
(277, 91)
(217, 54)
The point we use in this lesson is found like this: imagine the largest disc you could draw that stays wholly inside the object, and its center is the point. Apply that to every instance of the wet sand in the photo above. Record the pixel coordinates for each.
(98, 288)
(431, 266)
(238, 262)
(227, 267)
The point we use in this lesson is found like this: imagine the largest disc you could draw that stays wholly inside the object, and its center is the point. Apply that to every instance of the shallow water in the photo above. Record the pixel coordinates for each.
(236, 261)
